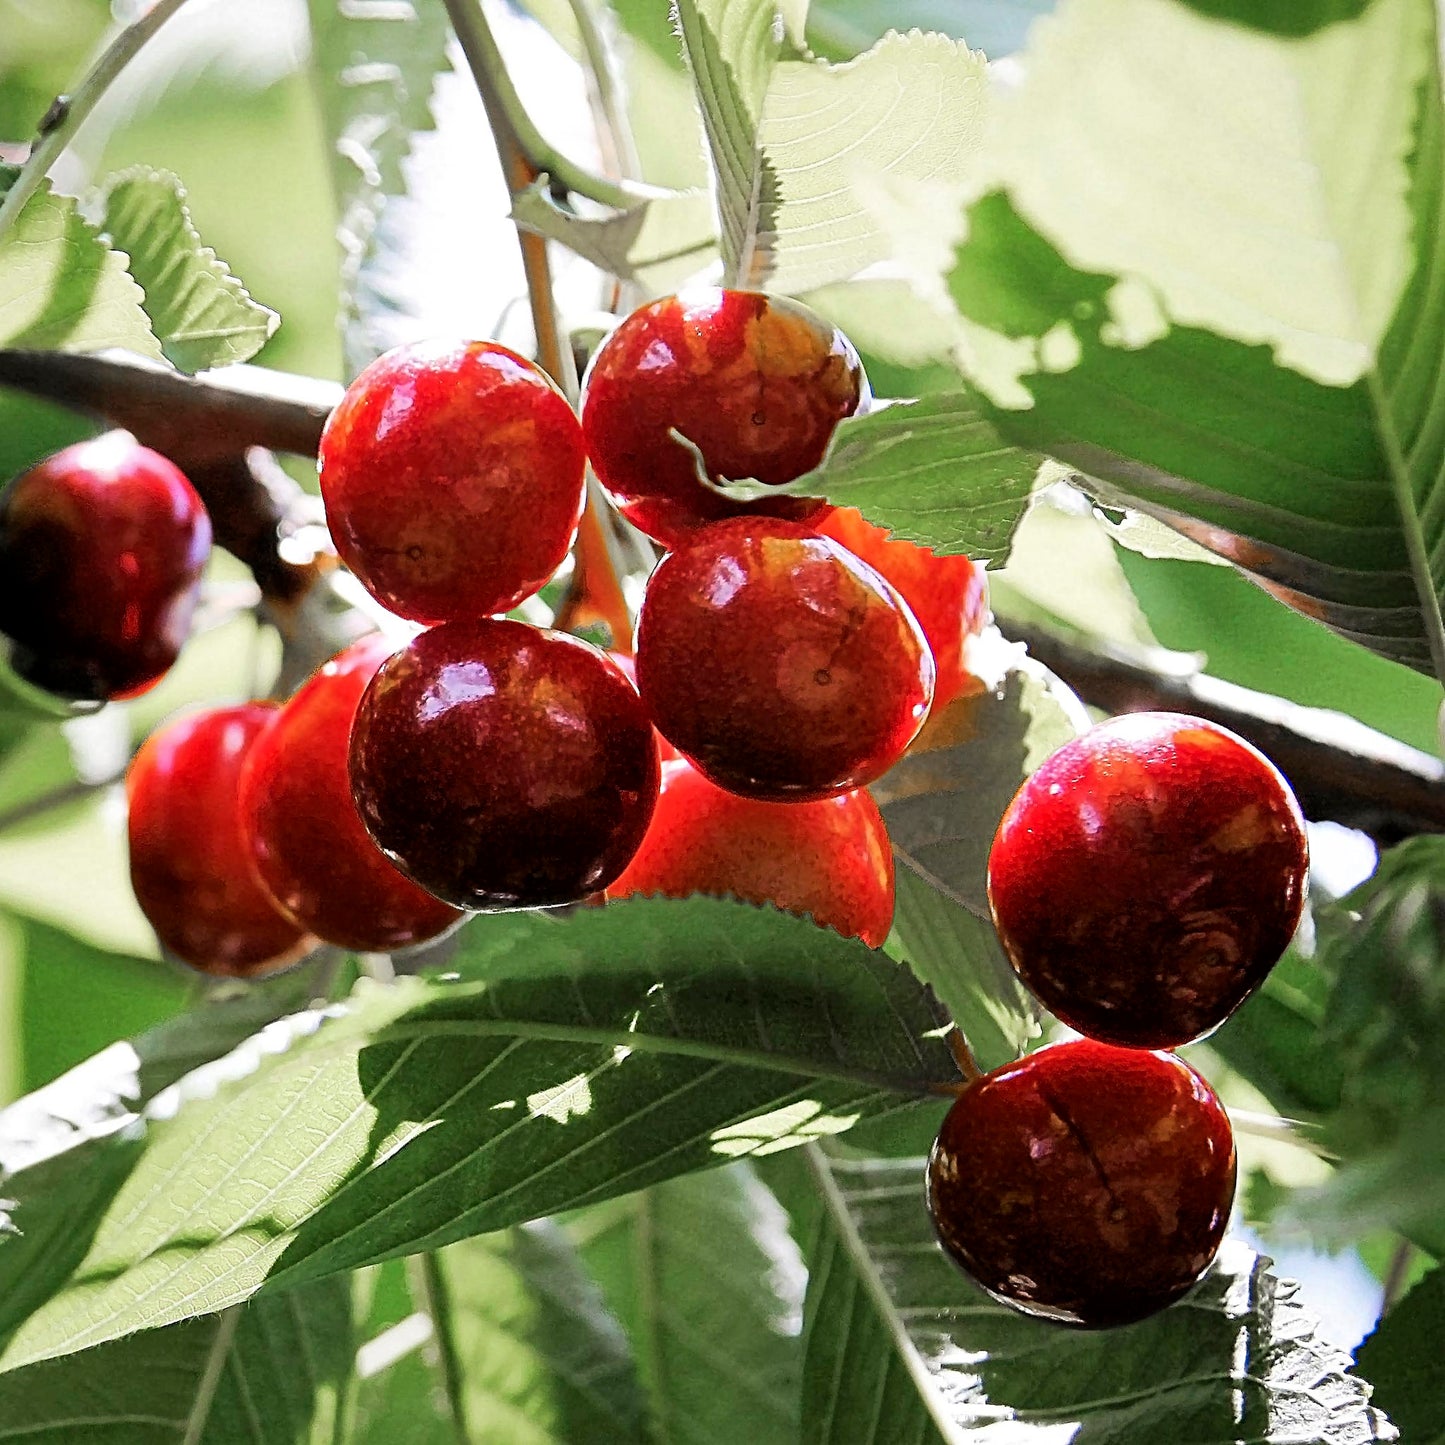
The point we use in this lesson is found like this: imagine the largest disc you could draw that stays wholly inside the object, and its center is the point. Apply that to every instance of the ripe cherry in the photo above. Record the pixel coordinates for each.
(101, 552)
(948, 595)
(502, 766)
(307, 840)
(190, 860)
(627, 665)
(452, 474)
(778, 663)
(1147, 877)
(829, 859)
(757, 384)
(1084, 1184)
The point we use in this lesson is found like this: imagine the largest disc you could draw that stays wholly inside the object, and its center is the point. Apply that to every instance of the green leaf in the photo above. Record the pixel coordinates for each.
(1242, 345)
(790, 137)
(959, 956)
(603, 1052)
(528, 1352)
(63, 288)
(1384, 1025)
(375, 67)
(202, 314)
(900, 1346)
(100, 995)
(933, 471)
(943, 801)
(655, 244)
(704, 1273)
(1402, 1360)
(275, 1371)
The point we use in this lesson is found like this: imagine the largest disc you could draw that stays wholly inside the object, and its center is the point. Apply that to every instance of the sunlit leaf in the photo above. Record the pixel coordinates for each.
(202, 314)
(603, 1052)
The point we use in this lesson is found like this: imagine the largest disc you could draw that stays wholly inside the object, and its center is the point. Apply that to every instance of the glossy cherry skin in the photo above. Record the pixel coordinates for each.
(757, 383)
(1147, 877)
(452, 474)
(1084, 1184)
(101, 552)
(948, 595)
(502, 766)
(307, 840)
(829, 859)
(779, 664)
(190, 862)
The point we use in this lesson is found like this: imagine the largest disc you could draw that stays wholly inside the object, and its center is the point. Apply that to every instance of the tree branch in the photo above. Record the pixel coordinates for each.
(1340, 769)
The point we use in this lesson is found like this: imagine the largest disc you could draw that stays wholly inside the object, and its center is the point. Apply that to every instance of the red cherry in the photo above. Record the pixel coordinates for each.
(101, 552)
(666, 753)
(452, 474)
(190, 861)
(757, 383)
(307, 839)
(502, 766)
(830, 859)
(778, 663)
(948, 595)
(1084, 1184)
(1147, 877)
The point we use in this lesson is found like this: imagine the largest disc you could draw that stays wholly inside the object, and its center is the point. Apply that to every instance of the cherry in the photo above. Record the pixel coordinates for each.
(1147, 877)
(502, 766)
(452, 474)
(307, 840)
(627, 665)
(757, 383)
(778, 663)
(1084, 1184)
(101, 552)
(829, 859)
(189, 856)
(948, 595)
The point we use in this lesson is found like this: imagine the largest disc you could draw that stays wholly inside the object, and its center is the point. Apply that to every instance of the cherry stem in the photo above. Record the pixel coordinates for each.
(963, 1057)
(596, 593)
(67, 112)
(1397, 1274)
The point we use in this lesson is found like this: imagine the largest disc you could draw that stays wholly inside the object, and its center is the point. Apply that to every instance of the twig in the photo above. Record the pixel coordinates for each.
(1340, 769)
(63, 118)
(60, 797)
(595, 586)
(194, 419)
(505, 112)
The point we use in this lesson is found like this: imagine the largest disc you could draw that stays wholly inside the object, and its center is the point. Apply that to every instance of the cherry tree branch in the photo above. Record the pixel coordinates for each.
(1342, 770)
(67, 112)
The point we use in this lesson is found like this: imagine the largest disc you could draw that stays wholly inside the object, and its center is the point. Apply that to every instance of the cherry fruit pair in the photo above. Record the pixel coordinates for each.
(1144, 881)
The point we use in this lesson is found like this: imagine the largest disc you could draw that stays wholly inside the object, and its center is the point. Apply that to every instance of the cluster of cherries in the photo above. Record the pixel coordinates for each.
(787, 654)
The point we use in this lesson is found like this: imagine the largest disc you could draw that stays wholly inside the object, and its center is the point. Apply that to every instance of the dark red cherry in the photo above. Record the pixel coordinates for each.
(1147, 877)
(308, 841)
(502, 766)
(948, 595)
(452, 474)
(757, 383)
(1084, 1184)
(830, 859)
(778, 663)
(101, 552)
(190, 862)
